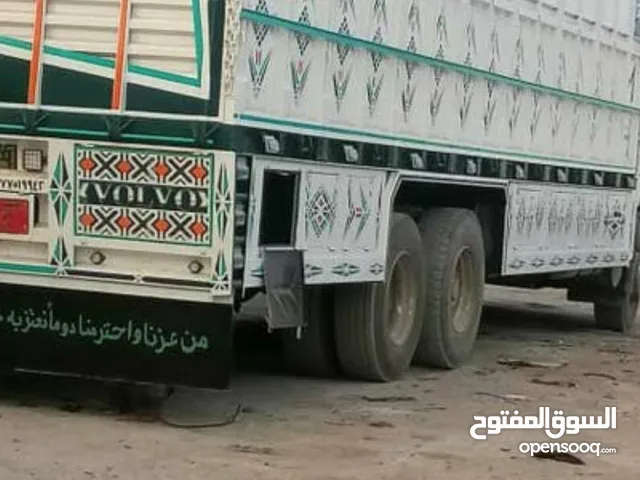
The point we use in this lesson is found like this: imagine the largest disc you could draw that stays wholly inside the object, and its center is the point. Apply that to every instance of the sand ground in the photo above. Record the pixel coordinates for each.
(293, 428)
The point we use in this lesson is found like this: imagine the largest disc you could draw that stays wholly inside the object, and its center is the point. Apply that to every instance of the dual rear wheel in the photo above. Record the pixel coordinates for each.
(427, 311)
(618, 310)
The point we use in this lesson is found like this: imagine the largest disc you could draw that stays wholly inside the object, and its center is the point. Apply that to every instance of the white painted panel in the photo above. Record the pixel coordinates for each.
(83, 27)
(161, 36)
(554, 228)
(341, 225)
(562, 46)
(16, 19)
(626, 10)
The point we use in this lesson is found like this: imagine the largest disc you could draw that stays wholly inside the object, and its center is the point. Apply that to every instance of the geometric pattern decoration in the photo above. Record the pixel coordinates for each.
(376, 77)
(338, 212)
(343, 55)
(410, 69)
(223, 201)
(464, 75)
(553, 228)
(60, 190)
(151, 196)
(60, 198)
(320, 210)
(174, 169)
(143, 225)
(360, 210)
(221, 273)
(346, 270)
(259, 61)
(341, 234)
(301, 65)
(223, 208)
(175, 206)
(60, 256)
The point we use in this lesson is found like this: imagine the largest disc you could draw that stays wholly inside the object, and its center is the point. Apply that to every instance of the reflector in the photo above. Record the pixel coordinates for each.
(14, 216)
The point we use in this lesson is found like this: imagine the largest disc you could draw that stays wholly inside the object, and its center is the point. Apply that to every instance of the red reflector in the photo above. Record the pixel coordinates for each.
(14, 216)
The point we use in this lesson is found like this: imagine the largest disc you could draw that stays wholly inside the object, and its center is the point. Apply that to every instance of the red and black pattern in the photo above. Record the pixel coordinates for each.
(140, 195)
(142, 167)
(144, 225)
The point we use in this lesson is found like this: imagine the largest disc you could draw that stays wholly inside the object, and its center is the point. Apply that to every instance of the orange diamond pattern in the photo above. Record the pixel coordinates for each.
(198, 228)
(124, 222)
(161, 225)
(87, 164)
(161, 169)
(87, 220)
(199, 172)
(124, 167)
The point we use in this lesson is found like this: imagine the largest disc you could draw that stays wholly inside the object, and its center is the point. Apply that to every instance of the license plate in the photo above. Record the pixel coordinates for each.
(14, 216)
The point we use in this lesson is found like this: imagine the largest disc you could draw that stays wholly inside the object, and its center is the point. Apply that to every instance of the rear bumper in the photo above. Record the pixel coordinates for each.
(143, 221)
(115, 337)
(129, 286)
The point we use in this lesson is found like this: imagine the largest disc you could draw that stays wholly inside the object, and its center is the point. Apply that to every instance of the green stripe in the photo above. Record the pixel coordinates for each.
(392, 138)
(97, 134)
(110, 64)
(73, 131)
(26, 268)
(79, 57)
(197, 30)
(15, 42)
(150, 138)
(162, 75)
(10, 126)
(388, 50)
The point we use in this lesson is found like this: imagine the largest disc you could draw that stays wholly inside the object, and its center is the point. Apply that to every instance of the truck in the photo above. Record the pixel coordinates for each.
(367, 165)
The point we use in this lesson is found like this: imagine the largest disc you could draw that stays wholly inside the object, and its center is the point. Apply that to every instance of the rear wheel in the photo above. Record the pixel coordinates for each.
(620, 312)
(313, 353)
(378, 325)
(453, 246)
(616, 308)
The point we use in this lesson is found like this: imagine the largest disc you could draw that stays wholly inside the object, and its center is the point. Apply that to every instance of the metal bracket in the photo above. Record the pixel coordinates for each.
(32, 119)
(284, 283)
(116, 125)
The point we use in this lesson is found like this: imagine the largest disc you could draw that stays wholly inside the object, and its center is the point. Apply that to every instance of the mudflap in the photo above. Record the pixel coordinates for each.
(117, 338)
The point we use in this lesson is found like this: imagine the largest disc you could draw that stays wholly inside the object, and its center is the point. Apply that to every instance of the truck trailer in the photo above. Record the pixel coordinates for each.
(368, 165)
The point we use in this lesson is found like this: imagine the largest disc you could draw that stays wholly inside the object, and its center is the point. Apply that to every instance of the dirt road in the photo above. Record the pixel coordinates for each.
(289, 428)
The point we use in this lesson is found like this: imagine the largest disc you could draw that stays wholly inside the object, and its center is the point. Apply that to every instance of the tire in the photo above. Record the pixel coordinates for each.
(314, 353)
(454, 249)
(620, 314)
(374, 342)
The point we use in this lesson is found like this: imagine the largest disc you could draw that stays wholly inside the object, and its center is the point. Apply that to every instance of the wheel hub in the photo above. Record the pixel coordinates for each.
(401, 299)
(461, 291)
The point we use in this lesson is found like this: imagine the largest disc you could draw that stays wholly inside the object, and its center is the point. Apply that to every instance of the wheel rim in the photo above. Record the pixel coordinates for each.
(461, 291)
(401, 300)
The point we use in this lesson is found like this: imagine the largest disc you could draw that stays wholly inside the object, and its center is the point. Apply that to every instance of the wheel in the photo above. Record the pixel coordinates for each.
(378, 324)
(314, 353)
(619, 314)
(455, 268)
